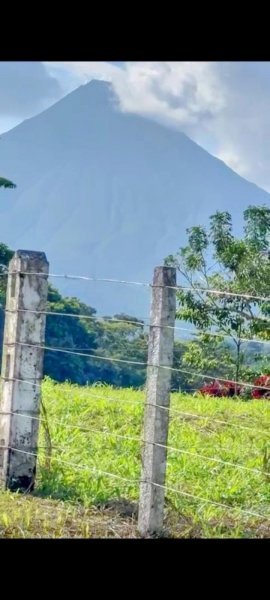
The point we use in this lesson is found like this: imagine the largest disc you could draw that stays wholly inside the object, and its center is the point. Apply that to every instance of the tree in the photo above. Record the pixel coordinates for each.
(71, 334)
(123, 338)
(214, 259)
(6, 183)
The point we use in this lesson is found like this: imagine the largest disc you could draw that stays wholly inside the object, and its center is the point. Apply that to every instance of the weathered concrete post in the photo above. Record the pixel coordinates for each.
(160, 353)
(26, 291)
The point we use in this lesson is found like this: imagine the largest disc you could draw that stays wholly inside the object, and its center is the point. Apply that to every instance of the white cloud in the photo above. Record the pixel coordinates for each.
(179, 93)
(183, 93)
(73, 74)
(222, 106)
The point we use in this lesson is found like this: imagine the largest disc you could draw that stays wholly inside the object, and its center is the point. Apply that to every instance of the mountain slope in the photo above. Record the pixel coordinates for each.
(109, 194)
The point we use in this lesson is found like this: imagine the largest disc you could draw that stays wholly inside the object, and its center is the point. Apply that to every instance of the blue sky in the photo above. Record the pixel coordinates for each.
(223, 106)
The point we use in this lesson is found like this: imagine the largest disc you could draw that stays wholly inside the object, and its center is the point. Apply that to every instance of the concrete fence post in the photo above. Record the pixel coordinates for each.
(22, 368)
(156, 423)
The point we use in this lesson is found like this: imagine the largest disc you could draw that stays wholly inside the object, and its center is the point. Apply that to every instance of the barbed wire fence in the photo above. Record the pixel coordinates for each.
(22, 373)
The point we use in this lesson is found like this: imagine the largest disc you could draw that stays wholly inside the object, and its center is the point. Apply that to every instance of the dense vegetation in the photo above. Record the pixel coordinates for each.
(238, 270)
(212, 259)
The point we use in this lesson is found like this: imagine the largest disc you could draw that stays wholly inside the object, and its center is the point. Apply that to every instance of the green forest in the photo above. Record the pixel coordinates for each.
(212, 259)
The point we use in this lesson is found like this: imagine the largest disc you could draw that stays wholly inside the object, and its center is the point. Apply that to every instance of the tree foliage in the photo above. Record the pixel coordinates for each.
(238, 269)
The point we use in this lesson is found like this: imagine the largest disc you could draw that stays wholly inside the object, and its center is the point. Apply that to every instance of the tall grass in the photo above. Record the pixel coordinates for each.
(243, 439)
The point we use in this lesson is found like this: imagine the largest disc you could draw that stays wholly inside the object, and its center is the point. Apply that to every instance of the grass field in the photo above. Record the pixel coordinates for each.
(77, 495)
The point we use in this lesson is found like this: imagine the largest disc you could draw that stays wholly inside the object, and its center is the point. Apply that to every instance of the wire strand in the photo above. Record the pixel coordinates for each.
(79, 316)
(196, 455)
(140, 283)
(140, 481)
(222, 293)
(142, 403)
(138, 363)
(139, 323)
(84, 278)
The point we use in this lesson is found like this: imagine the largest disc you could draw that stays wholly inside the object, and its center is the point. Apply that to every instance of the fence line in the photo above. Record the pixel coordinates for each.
(172, 411)
(140, 363)
(223, 293)
(138, 323)
(83, 278)
(98, 396)
(23, 331)
(220, 421)
(140, 440)
(145, 284)
(138, 481)
(216, 334)
(81, 316)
